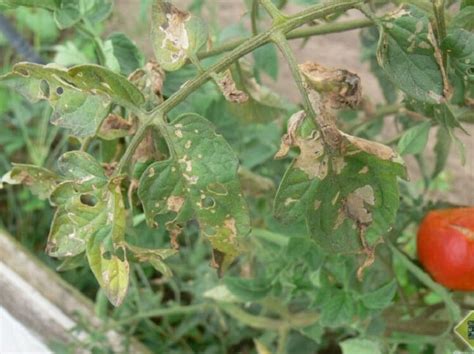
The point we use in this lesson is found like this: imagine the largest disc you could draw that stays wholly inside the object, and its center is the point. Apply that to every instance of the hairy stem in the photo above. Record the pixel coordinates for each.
(299, 33)
(284, 47)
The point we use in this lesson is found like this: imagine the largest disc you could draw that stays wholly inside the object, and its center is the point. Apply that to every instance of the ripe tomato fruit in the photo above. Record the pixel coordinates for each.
(445, 245)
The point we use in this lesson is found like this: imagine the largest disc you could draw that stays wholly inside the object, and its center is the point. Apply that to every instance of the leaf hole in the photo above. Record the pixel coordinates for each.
(107, 255)
(470, 70)
(88, 199)
(59, 90)
(120, 253)
(208, 202)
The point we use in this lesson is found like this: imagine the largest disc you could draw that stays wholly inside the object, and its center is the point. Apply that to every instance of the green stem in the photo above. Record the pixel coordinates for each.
(453, 309)
(253, 17)
(438, 9)
(294, 321)
(284, 47)
(306, 32)
(282, 340)
(273, 11)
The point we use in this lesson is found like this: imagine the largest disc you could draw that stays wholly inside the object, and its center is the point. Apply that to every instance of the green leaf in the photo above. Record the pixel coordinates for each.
(414, 140)
(99, 11)
(122, 54)
(459, 44)
(39, 180)
(110, 268)
(360, 346)
(442, 149)
(337, 307)
(247, 289)
(463, 19)
(369, 39)
(46, 4)
(407, 56)
(266, 59)
(341, 197)
(68, 13)
(176, 35)
(381, 297)
(201, 175)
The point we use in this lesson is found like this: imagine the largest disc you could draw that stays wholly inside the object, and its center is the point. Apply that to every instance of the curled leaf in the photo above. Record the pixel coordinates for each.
(228, 87)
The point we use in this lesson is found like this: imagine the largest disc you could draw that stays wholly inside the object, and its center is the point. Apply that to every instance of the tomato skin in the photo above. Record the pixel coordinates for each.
(445, 244)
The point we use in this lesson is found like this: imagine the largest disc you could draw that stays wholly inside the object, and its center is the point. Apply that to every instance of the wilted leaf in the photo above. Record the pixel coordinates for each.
(229, 90)
(407, 56)
(149, 81)
(154, 256)
(176, 35)
(201, 175)
(114, 127)
(39, 180)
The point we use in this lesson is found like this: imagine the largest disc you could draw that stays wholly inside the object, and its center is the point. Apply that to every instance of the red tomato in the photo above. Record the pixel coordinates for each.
(446, 247)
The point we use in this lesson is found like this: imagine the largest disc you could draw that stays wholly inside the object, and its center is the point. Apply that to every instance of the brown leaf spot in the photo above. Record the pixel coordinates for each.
(175, 203)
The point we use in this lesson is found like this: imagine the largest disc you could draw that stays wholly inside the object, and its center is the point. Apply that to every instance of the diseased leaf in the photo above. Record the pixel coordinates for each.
(39, 180)
(110, 267)
(80, 96)
(201, 175)
(176, 35)
(229, 90)
(87, 202)
(349, 200)
(407, 56)
(149, 80)
(414, 140)
(459, 44)
(94, 78)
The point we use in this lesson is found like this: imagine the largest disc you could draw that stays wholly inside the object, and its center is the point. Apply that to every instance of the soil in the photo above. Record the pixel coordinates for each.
(339, 50)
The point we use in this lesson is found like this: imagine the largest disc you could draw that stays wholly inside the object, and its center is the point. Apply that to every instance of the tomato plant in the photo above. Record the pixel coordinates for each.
(218, 217)
(446, 247)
